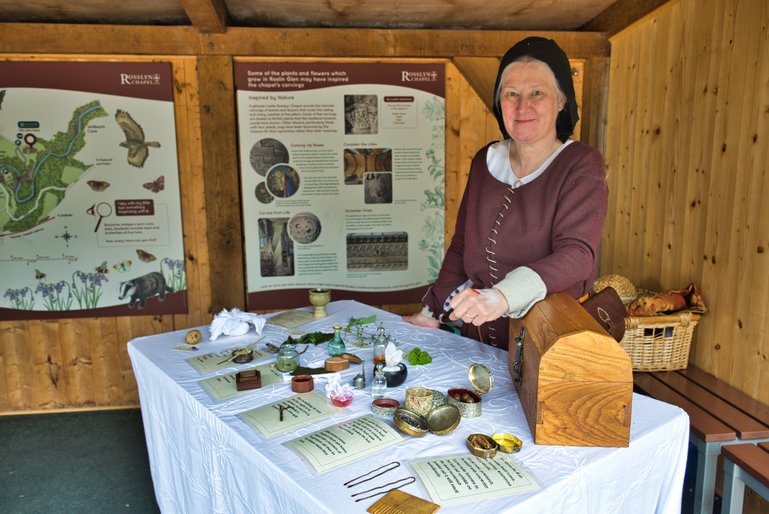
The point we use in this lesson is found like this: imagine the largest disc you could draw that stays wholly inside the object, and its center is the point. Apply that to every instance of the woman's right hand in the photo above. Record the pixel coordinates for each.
(421, 320)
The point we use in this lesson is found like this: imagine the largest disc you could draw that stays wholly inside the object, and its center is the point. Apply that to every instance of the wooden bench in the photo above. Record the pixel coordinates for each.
(744, 464)
(719, 415)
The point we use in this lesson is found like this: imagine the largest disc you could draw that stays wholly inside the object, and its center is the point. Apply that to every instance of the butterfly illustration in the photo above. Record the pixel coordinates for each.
(98, 185)
(39, 275)
(156, 185)
(122, 266)
(102, 268)
(145, 256)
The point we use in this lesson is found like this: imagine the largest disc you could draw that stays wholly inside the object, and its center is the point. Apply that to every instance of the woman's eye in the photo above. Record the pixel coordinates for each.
(511, 94)
(537, 93)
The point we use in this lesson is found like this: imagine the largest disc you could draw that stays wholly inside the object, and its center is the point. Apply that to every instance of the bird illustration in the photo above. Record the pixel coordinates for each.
(137, 147)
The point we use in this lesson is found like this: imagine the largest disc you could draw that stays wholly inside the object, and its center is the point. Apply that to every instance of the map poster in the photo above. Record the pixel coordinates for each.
(342, 175)
(90, 213)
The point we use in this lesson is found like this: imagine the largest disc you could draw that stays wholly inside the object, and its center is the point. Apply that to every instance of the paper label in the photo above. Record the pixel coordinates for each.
(460, 479)
(298, 411)
(341, 444)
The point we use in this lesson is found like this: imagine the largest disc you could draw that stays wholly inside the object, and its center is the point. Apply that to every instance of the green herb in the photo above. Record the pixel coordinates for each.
(417, 357)
(311, 338)
(355, 327)
(361, 321)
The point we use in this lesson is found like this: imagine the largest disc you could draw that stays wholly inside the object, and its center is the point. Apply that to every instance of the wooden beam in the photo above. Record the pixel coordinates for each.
(622, 14)
(480, 73)
(222, 182)
(42, 38)
(208, 16)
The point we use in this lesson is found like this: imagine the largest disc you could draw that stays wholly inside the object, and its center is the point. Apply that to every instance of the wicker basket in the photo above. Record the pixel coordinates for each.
(659, 343)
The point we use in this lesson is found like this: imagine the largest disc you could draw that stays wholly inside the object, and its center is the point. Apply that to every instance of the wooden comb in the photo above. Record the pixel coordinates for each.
(398, 502)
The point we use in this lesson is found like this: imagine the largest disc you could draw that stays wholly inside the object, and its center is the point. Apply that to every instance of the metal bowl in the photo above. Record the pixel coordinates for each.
(508, 443)
(410, 422)
(443, 419)
(384, 407)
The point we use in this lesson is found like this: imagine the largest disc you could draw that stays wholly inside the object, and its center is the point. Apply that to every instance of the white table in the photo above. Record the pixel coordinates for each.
(206, 459)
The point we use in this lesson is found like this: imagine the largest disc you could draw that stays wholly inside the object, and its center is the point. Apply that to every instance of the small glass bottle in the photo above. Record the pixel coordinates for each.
(336, 345)
(379, 384)
(288, 358)
(380, 343)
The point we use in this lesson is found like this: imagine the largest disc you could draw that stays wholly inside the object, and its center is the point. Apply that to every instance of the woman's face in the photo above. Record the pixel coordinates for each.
(530, 102)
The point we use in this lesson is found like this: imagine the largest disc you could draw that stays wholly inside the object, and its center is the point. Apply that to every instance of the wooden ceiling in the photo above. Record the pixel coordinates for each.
(216, 15)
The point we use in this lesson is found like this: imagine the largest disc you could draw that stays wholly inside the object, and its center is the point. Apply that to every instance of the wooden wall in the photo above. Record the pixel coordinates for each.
(687, 151)
(83, 363)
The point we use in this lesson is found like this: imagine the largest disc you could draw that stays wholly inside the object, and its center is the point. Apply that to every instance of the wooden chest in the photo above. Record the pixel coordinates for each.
(574, 380)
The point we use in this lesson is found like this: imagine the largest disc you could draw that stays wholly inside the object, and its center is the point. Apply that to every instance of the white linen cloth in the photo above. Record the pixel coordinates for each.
(205, 459)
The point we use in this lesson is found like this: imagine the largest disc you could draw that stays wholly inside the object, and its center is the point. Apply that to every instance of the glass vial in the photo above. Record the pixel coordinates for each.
(379, 384)
(380, 343)
(288, 358)
(336, 345)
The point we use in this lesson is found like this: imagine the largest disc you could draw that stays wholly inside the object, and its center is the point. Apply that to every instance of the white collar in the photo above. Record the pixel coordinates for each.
(498, 162)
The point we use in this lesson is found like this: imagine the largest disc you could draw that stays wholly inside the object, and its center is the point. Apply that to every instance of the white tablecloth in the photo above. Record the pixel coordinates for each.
(205, 459)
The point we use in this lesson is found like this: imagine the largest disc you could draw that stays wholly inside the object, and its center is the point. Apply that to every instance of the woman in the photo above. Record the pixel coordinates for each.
(533, 209)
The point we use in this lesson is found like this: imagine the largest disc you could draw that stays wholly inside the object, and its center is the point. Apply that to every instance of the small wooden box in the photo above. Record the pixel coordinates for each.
(575, 382)
(249, 379)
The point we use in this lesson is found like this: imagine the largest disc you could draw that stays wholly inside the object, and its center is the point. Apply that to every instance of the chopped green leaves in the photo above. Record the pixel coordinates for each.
(418, 357)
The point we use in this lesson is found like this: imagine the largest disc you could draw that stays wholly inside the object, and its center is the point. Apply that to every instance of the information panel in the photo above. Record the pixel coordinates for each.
(342, 175)
(90, 215)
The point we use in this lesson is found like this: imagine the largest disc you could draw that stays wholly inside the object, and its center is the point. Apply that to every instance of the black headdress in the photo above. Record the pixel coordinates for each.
(547, 51)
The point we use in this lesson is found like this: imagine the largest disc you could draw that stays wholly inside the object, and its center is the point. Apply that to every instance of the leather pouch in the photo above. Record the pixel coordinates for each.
(608, 310)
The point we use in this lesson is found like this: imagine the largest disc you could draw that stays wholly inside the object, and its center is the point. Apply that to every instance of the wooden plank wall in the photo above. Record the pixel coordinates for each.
(82, 363)
(686, 149)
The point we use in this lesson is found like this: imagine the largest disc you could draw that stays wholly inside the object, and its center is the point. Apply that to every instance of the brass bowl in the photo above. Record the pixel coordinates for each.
(508, 443)
(410, 422)
(443, 419)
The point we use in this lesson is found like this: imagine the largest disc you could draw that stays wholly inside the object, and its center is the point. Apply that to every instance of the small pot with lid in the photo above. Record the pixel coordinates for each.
(469, 401)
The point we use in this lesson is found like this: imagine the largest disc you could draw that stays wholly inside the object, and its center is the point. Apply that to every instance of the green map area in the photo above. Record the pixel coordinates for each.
(34, 177)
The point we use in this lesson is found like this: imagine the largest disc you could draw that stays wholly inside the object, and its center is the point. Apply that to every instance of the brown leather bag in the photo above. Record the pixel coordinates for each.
(608, 310)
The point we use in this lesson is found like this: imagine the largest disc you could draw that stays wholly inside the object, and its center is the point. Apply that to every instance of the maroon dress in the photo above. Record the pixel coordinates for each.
(552, 225)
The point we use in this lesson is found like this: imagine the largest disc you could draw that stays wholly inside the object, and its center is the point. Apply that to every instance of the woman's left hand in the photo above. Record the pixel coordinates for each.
(477, 306)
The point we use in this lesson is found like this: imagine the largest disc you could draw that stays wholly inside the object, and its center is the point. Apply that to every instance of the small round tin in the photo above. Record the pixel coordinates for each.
(443, 419)
(470, 407)
(482, 446)
(419, 400)
(438, 398)
(384, 407)
(508, 443)
(410, 422)
(469, 401)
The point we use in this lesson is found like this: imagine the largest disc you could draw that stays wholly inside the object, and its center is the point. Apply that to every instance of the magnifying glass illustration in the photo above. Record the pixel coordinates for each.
(102, 210)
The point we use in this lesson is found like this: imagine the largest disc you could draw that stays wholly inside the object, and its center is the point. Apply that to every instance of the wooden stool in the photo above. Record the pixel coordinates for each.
(719, 415)
(744, 464)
